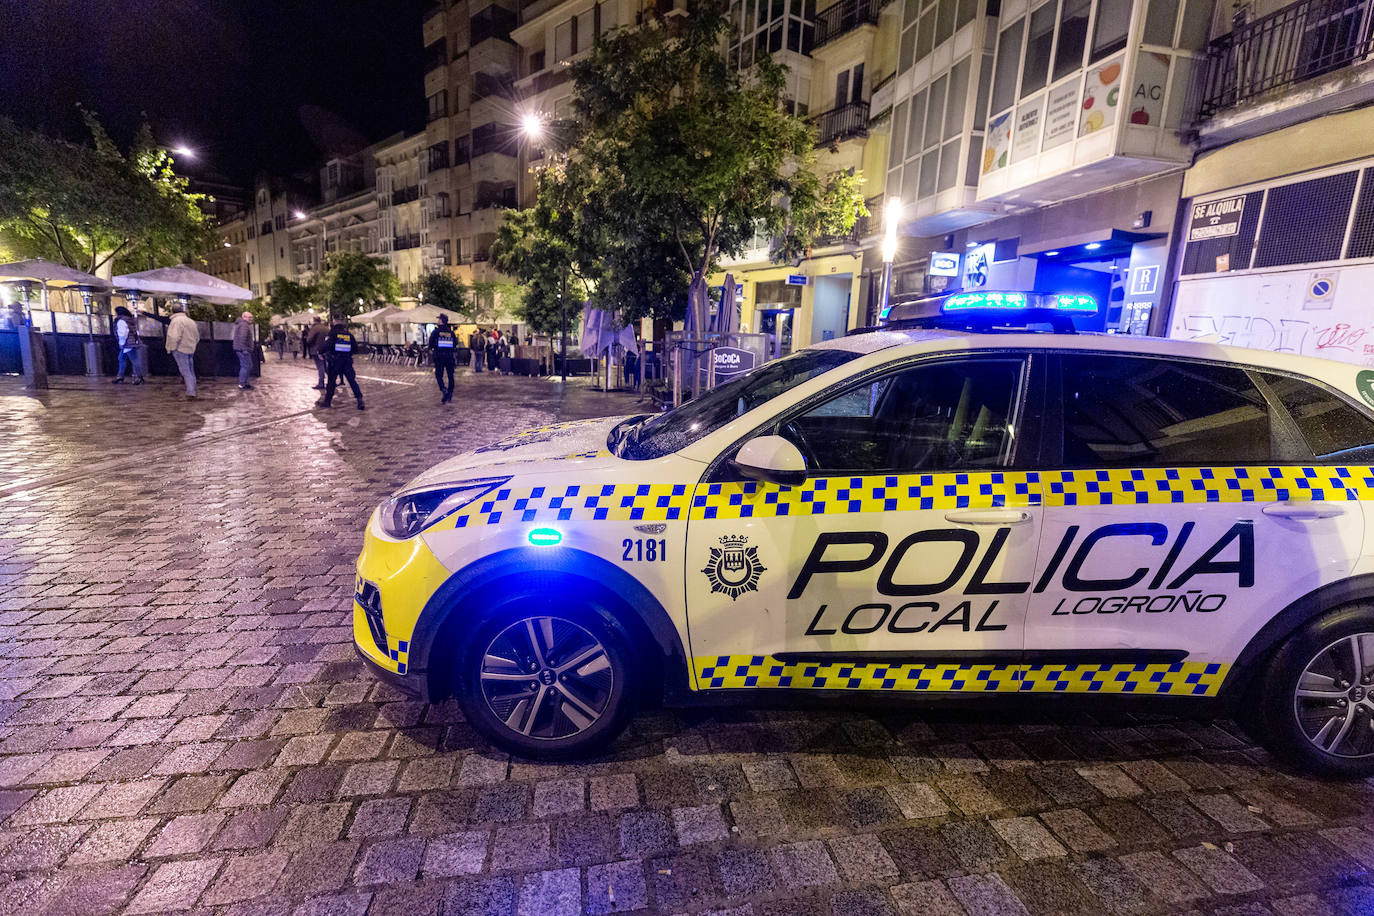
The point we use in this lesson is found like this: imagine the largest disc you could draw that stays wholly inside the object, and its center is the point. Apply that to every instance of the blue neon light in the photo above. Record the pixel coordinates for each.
(1074, 302)
(545, 537)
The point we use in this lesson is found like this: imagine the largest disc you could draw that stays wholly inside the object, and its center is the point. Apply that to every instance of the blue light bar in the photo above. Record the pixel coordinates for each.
(1073, 302)
(960, 302)
(545, 537)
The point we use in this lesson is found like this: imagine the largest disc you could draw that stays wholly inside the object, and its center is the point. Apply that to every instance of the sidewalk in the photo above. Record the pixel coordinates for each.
(83, 427)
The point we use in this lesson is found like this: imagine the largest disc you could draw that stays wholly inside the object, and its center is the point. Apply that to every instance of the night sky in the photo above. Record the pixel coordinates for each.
(252, 85)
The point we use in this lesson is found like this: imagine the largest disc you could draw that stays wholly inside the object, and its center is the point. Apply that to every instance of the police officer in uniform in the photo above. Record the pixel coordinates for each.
(338, 349)
(442, 342)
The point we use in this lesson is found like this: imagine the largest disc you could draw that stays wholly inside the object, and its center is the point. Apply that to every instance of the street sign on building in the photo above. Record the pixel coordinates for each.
(944, 264)
(796, 279)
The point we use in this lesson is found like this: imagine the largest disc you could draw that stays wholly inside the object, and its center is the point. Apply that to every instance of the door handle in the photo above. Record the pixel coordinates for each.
(1304, 511)
(988, 516)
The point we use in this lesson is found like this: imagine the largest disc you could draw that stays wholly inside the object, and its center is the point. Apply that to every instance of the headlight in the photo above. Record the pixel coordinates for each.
(407, 514)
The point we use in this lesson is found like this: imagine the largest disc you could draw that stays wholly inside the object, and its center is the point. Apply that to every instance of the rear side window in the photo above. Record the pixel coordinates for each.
(1126, 411)
(1332, 428)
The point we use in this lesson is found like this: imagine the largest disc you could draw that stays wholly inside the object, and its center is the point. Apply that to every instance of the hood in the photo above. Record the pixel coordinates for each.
(578, 444)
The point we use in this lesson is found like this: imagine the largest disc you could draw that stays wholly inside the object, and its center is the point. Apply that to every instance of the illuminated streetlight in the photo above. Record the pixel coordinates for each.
(532, 125)
(184, 151)
(892, 216)
(298, 214)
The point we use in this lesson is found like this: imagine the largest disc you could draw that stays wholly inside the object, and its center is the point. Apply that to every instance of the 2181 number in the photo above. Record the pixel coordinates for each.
(645, 550)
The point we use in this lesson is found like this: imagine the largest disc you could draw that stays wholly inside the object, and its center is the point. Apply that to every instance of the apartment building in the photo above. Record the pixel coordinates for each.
(406, 210)
(228, 260)
(1275, 248)
(472, 135)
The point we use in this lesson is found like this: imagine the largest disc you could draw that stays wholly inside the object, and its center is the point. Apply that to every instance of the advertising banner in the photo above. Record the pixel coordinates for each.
(1216, 219)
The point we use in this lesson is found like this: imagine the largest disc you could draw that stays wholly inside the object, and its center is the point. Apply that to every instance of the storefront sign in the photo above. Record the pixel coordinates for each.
(732, 361)
(1147, 99)
(796, 279)
(1026, 140)
(944, 264)
(1216, 219)
(998, 144)
(1101, 93)
(976, 265)
(1145, 280)
(1059, 114)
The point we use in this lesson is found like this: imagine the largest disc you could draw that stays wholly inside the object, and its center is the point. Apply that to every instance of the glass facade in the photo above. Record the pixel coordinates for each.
(768, 26)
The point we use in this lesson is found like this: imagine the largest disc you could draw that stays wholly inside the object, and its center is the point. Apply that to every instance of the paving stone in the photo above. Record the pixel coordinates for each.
(702, 824)
(589, 840)
(479, 769)
(379, 817)
(317, 869)
(646, 833)
(616, 887)
(525, 846)
(867, 901)
(681, 882)
(925, 898)
(1028, 838)
(175, 886)
(1219, 870)
(390, 862)
(485, 897)
(1049, 887)
(986, 895)
(918, 800)
(804, 864)
(744, 872)
(114, 841)
(456, 854)
(247, 878)
(183, 835)
(559, 796)
(862, 859)
(769, 775)
(1227, 811)
(550, 893)
(611, 793)
(1077, 830)
(251, 829)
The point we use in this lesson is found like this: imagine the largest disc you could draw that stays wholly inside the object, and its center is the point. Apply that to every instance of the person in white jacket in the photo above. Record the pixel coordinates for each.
(182, 336)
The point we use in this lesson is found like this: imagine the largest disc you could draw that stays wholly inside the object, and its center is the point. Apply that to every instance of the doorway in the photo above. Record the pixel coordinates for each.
(830, 307)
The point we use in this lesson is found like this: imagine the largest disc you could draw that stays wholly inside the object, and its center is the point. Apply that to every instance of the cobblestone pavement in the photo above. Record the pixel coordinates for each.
(184, 725)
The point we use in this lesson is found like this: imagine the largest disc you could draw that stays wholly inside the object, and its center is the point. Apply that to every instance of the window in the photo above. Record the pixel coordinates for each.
(438, 156)
(462, 151)
(1073, 33)
(1109, 33)
(1128, 411)
(849, 85)
(465, 200)
(280, 221)
(1038, 43)
(946, 416)
(436, 55)
(563, 41)
(1331, 427)
(1008, 57)
(441, 205)
(1159, 23)
(438, 105)
(265, 228)
(536, 62)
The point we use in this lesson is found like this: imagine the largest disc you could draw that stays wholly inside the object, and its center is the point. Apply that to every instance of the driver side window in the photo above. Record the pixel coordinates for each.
(954, 415)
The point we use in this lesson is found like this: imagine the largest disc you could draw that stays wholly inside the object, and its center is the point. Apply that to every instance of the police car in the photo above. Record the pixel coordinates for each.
(926, 511)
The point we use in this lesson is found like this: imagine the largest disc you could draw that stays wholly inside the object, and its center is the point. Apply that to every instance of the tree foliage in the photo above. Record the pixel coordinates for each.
(671, 159)
(288, 296)
(94, 206)
(353, 282)
(444, 292)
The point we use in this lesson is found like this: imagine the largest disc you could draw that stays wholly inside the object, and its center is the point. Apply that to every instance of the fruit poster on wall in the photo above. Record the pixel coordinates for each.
(1101, 95)
(1060, 113)
(1147, 98)
(1026, 140)
(998, 143)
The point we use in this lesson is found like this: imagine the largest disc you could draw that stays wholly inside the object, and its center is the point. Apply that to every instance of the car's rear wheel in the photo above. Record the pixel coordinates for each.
(1315, 701)
(546, 682)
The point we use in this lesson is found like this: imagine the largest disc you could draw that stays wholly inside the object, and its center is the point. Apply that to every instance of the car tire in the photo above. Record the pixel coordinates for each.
(546, 682)
(1311, 705)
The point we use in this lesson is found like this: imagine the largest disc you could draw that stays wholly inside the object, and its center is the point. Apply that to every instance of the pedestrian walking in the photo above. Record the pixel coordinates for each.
(477, 343)
(442, 343)
(493, 350)
(279, 342)
(293, 343)
(182, 336)
(243, 349)
(340, 344)
(130, 345)
(315, 341)
(631, 365)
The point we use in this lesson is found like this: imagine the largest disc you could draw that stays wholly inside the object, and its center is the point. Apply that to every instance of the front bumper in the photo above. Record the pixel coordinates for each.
(395, 580)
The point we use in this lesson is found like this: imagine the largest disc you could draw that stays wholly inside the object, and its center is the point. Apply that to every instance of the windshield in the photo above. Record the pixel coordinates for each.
(676, 429)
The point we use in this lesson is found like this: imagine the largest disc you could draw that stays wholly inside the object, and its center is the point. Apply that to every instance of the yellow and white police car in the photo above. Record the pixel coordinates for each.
(923, 512)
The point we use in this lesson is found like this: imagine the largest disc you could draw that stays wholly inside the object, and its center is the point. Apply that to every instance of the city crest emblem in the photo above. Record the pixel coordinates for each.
(734, 567)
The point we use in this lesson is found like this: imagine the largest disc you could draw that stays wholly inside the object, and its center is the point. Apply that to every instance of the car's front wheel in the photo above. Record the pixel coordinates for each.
(546, 682)
(1316, 698)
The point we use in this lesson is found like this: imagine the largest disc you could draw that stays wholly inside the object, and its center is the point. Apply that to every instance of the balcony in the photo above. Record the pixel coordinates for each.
(843, 18)
(842, 123)
(405, 195)
(1301, 61)
(404, 242)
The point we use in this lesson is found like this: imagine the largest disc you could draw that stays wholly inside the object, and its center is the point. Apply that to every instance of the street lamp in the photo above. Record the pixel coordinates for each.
(532, 125)
(324, 233)
(184, 150)
(892, 215)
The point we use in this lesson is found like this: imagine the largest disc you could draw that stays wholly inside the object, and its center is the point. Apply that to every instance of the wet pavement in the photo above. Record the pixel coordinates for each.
(184, 724)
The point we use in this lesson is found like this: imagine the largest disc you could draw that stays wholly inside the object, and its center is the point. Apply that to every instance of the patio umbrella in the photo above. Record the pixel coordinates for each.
(182, 282)
(387, 314)
(698, 309)
(726, 317)
(305, 317)
(47, 273)
(421, 314)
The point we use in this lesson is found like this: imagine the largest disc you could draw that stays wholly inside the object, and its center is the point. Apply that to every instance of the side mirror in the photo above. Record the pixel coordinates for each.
(772, 459)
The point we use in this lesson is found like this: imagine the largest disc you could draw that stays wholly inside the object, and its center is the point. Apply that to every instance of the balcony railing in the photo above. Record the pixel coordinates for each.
(842, 123)
(845, 17)
(403, 242)
(405, 195)
(1299, 42)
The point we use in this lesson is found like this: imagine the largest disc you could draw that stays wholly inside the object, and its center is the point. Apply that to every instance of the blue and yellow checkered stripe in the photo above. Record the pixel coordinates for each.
(613, 502)
(1206, 485)
(761, 671)
(399, 653)
(885, 493)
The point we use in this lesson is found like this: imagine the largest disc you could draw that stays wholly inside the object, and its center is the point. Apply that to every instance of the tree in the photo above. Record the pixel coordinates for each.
(673, 158)
(288, 296)
(92, 207)
(353, 282)
(444, 292)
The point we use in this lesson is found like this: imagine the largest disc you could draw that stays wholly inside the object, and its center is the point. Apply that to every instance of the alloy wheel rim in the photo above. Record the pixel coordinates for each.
(1334, 698)
(546, 678)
